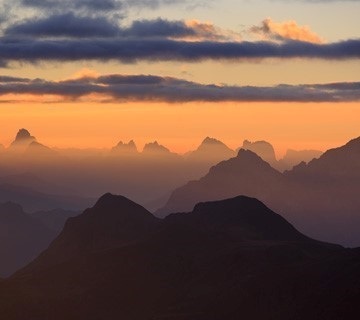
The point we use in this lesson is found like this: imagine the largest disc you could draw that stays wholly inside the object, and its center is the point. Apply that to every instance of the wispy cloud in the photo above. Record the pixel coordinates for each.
(118, 87)
(288, 30)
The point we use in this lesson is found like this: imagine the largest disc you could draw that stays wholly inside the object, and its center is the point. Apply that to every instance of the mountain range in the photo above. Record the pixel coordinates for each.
(320, 197)
(224, 260)
(123, 169)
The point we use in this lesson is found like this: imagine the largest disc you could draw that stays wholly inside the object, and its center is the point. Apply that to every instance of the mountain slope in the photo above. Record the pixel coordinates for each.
(228, 259)
(319, 198)
(113, 221)
(210, 151)
(263, 149)
(247, 174)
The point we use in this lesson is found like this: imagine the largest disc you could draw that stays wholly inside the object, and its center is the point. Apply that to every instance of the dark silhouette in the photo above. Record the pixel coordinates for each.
(263, 149)
(295, 157)
(211, 151)
(246, 174)
(23, 139)
(319, 198)
(125, 148)
(225, 260)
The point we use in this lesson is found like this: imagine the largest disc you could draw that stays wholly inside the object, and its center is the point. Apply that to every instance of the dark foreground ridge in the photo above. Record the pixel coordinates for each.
(228, 259)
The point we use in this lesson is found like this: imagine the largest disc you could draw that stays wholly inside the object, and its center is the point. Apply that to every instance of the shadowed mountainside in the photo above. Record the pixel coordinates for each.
(263, 149)
(245, 174)
(224, 260)
(319, 198)
(295, 157)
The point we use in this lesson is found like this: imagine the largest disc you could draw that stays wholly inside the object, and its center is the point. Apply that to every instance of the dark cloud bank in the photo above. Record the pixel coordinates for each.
(153, 88)
(132, 50)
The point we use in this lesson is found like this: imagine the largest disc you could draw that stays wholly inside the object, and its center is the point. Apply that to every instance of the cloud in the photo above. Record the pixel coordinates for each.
(103, 6)
(65, 25)
(70, 25)
(288, 30)
(133, 50)
(118, 88)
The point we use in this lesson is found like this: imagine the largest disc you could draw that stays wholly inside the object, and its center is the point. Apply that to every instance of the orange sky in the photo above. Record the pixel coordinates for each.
(181, 127)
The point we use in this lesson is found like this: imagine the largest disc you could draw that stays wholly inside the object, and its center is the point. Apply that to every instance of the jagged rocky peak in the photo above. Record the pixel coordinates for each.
(126, 148)
(23, 136)
(211, 150)
(209, 144)
(262, 148)
(211, 141)
(155, 147)
(22, 140)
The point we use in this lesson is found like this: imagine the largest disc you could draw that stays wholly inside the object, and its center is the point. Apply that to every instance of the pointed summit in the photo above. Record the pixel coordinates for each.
(113, 221)
(211, 151)
(212, 141)
(247, 174)
(125, 148)
(263, 149)
(154, 148)
(23, 139)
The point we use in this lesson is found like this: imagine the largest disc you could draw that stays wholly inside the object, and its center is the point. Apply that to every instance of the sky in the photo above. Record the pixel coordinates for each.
(88, 73)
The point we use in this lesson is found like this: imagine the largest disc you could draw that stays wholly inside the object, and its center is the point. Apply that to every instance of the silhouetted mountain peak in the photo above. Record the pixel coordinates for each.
(247, 174)
(211, 150)
(247, 218)
(23, 137)
(24, 134)
(246, 161)
(155, 147)
(262, 148)
(126, 148)
(209, 144)
(110, 201)
(113, 221)
(211, 141)
(117, 209)
(240, 202)
(251, 159)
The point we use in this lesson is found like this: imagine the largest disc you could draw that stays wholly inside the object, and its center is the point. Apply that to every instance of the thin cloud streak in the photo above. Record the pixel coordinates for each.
(149, 88)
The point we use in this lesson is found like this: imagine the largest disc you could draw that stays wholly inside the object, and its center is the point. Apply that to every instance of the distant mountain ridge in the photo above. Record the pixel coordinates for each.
(320, 198)
(245, 174)
(22, 238)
